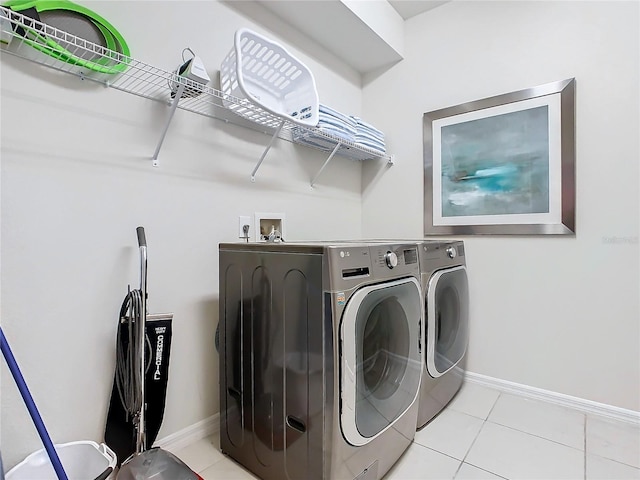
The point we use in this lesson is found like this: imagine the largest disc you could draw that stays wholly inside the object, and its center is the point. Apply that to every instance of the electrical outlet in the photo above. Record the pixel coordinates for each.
(244, 226)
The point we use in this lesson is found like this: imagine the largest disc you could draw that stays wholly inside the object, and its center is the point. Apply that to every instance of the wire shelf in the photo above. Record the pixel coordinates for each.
(43, 44)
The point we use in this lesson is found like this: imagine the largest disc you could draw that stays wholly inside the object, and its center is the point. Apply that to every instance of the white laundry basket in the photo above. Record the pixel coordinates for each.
(80, 460)
(270, 79)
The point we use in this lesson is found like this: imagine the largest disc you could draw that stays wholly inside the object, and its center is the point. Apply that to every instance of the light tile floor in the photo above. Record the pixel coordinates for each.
(486, 434)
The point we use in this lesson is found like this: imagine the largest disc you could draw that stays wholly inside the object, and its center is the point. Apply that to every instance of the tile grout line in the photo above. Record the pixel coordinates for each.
(620, 462)
(615, 461)
(236, 463)
(488, 471)
(584, 443)
(484, 422)
(439, 452)
(208, 442)
(214, 463)
(455, 474)
(536, 436)
(461, 462)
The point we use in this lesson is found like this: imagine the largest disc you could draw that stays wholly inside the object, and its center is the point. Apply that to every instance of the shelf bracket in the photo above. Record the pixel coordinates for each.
(264, 154)
(324, 165)
(391, 162)
(174, 105)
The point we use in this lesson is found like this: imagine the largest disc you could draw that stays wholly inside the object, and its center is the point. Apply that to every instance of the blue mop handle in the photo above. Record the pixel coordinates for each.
(31, 406)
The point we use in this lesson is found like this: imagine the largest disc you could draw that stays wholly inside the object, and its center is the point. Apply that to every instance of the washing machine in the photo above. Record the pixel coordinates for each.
(320, 357)
(446, 319)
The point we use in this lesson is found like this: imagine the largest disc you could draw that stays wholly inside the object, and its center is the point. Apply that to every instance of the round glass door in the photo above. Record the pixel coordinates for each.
(381, 359)
(447, 319)
(384, 349)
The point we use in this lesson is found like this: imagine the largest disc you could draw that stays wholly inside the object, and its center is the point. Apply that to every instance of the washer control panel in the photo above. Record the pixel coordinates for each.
(352, 264)
(392, 256)
(391, 259)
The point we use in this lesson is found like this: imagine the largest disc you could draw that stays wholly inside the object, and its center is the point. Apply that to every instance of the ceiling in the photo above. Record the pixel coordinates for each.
(411, 8)
(367, 35)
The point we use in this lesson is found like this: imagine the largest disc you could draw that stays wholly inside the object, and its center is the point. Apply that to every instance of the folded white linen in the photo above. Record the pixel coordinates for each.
(344, 127)
(337, 132)
(337, 124)
(369, 133)
(364, 124)
(376, 147)
(376, 138)
(334, 113)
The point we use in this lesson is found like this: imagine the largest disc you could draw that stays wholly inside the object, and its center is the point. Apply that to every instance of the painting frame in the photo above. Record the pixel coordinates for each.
(559, 219)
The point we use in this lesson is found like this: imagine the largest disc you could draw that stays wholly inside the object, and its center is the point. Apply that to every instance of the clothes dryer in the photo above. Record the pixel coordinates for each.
(320, 360)
(445, 337)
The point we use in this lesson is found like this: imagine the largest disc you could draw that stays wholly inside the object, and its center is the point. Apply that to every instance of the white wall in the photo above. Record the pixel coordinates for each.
(558, 313)
(76, 182)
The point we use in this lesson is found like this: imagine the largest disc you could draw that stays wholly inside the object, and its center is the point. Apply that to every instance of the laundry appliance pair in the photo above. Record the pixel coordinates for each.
(322, 354)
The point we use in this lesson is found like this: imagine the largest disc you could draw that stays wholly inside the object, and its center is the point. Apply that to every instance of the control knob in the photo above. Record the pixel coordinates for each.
(391, 259)
(451, 252)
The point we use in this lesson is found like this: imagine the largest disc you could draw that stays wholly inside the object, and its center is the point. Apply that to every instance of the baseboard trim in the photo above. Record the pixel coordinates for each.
(193, 433)
(586, 406)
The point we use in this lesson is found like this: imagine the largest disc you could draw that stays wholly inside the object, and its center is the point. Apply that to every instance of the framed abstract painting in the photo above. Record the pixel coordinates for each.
(502, 165)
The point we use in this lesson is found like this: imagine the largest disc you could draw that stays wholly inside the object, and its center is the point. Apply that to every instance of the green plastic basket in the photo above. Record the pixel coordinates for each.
(114, 60)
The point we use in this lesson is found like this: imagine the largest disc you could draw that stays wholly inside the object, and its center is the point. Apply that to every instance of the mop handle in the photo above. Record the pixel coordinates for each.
(31, 406)
(141, 442)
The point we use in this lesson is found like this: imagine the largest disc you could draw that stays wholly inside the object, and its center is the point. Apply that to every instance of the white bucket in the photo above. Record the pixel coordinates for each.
(80, 460)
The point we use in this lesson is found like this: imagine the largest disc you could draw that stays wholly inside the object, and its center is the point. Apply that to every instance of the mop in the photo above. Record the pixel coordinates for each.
(33, 410)
(131, 387)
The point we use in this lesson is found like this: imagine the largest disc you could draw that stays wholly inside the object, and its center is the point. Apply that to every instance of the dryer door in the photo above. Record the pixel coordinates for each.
(447, 319)
(381, 364)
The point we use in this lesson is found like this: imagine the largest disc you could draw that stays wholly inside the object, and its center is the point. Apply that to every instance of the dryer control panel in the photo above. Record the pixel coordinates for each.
(443, 249)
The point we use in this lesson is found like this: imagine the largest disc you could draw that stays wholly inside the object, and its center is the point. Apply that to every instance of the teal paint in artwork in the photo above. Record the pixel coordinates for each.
(497, 165)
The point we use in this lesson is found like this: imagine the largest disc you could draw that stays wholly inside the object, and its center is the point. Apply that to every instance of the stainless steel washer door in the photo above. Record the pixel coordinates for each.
(447, 319)
(381, 364)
